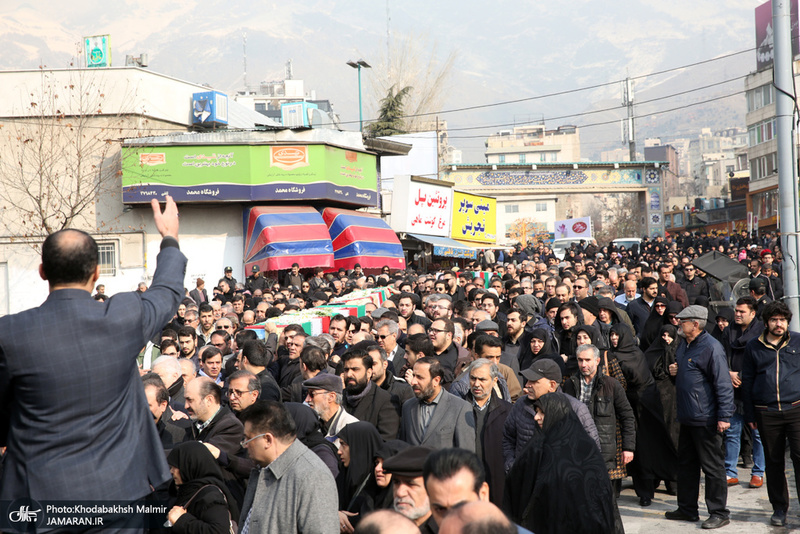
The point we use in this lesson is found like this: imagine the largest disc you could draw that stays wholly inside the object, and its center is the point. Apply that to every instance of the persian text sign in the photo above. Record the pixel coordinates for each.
(249, 173)
(474, 218)
(421, 207)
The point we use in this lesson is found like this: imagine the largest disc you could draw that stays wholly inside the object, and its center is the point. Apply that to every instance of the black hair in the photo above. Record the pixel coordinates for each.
(435, 369)
(358, 352)
(314, 358)
(270, 417)
(776, 307)
(446, 463)
(485, 340)
(154, 380)
(69, 263)
(420, 343)
(256, 353)
(209, 352)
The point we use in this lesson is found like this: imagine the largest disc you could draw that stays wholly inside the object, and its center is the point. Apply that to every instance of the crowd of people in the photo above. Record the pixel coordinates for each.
(512, 395)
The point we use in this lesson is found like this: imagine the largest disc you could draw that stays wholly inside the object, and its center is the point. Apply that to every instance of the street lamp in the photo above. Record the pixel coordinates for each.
(358, 65)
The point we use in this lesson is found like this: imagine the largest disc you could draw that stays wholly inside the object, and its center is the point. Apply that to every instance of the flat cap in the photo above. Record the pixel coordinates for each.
(486, 326)
(693, 312)
(408, 462)
(326, 381)
(377, 312)
(544, 368)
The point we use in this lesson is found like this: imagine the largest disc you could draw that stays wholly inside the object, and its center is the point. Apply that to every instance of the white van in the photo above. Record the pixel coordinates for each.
(561, 245)
(627, 242)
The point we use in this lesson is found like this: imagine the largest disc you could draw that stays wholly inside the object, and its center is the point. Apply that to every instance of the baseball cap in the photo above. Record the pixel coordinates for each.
(544, 368)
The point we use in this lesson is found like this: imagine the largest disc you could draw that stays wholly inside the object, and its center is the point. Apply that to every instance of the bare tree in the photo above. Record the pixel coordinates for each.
(615, 216)
(61, 154)
(413, 62)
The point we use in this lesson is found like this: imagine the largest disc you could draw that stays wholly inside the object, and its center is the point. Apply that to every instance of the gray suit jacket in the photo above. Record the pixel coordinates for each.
(72, 407)
(452, 424)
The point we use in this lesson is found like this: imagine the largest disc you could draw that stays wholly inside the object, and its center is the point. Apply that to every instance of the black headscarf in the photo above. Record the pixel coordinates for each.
(364, 440)
(632, 361)
(660, 355)
(549, 350)
(309, 427)
(593, 331)
(653, 324)
(198, 468)
(559, 467)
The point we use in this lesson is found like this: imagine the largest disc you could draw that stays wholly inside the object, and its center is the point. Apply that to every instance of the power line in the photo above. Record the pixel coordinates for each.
(616, 121)
(604, 110)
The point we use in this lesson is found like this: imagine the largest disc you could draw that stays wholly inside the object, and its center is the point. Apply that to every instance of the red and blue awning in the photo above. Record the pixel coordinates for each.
(362, 238)
(275, 237)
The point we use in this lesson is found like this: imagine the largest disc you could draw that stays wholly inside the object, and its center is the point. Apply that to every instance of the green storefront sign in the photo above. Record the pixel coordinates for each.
(214, 173)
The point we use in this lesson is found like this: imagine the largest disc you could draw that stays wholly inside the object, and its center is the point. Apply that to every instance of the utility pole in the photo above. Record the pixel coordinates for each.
(244, 58)
(628, 131)
(787, 160)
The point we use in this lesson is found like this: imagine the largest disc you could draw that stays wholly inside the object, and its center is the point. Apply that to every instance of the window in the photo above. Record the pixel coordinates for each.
(761, 132)
(501, 158)
(541, 206)
(107, 258)
(760, 96)
(512, 208)
(508, 230)
(764, 166)
(522, 158)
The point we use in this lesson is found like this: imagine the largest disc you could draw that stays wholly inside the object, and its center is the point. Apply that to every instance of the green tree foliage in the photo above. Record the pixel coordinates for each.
(390, 117)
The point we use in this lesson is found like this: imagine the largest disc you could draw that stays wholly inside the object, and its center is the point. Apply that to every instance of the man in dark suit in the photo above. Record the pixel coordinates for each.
(490, 413)
(63, 442)
(213, 423)
(436, 418)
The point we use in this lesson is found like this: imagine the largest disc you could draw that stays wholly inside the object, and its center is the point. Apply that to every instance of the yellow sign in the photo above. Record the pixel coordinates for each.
(474, 218)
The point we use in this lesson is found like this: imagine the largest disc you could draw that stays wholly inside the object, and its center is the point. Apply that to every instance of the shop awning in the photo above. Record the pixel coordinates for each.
(446, 247)
(362, 238)
(477, 246)
(278, 236)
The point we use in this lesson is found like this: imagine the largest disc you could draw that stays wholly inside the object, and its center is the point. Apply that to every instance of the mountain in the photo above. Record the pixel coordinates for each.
(504, 51)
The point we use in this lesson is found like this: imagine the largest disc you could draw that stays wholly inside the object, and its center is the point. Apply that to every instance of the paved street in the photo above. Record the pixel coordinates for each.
(750, 510)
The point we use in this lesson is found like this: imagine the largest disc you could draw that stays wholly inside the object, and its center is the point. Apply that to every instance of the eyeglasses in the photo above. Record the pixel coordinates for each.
(244, 442)
(224, 326)
(435, 331)
(317, 392)
(237, 393)
(383, 336)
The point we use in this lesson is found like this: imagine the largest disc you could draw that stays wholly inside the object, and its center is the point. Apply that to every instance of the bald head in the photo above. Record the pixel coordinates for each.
(481, 516)
(386, 521)
(69, 258)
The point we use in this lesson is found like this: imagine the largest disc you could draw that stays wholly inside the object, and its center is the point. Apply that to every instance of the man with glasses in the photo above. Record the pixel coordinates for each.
(441, 335)
(771, 396)
(325, 397)
(441, 308)
(582, 288)
(294, 491)
(693, 285)
(244, 389)
(386, 336)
